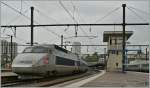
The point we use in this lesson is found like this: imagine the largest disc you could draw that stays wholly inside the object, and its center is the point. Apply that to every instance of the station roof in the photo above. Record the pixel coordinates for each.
(106, 34)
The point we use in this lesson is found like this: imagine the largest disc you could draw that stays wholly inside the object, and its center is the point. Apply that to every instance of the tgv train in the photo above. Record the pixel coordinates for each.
(140, 67)
(46, 60)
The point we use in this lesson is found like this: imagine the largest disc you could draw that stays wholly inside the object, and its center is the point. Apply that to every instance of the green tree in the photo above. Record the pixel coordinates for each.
(93, 58)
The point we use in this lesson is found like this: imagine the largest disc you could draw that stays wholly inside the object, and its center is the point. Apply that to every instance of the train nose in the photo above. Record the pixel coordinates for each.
(24, 63)
(24, 69)
(22, 66)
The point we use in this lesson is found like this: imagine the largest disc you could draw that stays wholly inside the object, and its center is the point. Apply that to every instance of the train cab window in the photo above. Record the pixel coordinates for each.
(35, 50)
(27, 50)
(39, 50)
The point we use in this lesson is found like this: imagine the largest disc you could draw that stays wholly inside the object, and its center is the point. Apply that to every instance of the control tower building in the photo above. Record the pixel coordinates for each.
(114, 48)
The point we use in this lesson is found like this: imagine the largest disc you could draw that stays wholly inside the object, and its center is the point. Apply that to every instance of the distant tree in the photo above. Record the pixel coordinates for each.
(93, 58)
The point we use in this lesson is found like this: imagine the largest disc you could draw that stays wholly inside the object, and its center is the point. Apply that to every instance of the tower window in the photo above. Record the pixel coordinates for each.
(115, 41)
(110, 41)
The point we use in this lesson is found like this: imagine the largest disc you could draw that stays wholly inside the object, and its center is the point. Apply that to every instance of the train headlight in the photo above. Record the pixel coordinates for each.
(45, 59)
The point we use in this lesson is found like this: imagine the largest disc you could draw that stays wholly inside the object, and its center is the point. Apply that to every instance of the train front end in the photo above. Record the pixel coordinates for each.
(30, 61)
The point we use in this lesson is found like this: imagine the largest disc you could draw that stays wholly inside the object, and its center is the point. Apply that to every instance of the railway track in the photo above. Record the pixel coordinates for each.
(44, 82)
(12, 83)
(17, 82)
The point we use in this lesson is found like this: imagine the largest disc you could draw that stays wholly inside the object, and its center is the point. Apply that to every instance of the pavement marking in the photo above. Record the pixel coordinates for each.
(82, 82)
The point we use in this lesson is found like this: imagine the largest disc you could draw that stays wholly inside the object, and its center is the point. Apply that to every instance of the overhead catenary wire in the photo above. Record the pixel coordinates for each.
(34, 21)
(73, 18)
(141, 18)
(109, 13)
(15, 19)
(139, 10)
(20, 39)
(74, 8)
(80, 18)
(42, 13)
(21, 2)
(15, 10)
(62, 5)
(29, 18)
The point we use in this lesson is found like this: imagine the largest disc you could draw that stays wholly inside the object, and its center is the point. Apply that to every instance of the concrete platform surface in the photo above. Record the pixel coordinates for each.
(6, 70)
(3, 74)
(118, 79)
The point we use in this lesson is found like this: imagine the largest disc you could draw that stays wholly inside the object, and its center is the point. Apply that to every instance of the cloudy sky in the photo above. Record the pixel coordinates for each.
(15, 12)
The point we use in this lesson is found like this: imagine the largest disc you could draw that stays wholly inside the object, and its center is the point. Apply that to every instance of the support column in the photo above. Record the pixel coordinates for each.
(61, 40)
(32, 9)
(11, 50)
(146, 55)
(105, 62)
(123, 42)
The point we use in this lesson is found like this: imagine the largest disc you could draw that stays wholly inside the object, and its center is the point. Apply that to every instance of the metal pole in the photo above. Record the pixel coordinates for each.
(0, 37)
(32, 9)
(123, 43)
(107, 24)
(105, 58)
(61, 40)
(146, 55)
(6, 54)
(15, 32)
(11, 53)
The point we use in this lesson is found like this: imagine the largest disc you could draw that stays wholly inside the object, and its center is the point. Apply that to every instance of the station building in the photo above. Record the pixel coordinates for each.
(114, 48)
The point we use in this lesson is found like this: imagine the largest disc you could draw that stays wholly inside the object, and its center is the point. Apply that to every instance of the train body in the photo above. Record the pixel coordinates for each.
(46, 60)
(139, 67)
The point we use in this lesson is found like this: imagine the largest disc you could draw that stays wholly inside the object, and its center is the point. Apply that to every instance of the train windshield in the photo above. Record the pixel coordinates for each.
(35, 50)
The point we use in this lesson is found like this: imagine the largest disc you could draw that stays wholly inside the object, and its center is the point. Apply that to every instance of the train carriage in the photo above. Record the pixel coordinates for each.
(46, 60)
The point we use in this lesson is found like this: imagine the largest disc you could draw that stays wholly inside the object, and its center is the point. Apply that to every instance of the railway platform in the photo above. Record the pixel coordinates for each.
(112, 79)
(8, 75)
(4, 74)
(6, 70)
(118, 79)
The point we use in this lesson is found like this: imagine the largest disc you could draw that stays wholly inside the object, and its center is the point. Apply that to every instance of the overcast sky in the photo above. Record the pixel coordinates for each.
(52, 12)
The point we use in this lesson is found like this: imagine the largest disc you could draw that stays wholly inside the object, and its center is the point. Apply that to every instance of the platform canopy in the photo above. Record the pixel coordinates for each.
(107, 34)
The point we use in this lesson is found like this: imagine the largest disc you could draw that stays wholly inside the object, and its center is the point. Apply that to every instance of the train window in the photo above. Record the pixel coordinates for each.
(64, 61)
(27, 50)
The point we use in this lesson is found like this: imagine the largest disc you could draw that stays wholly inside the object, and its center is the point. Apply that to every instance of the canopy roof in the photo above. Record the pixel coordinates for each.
(107, 34)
